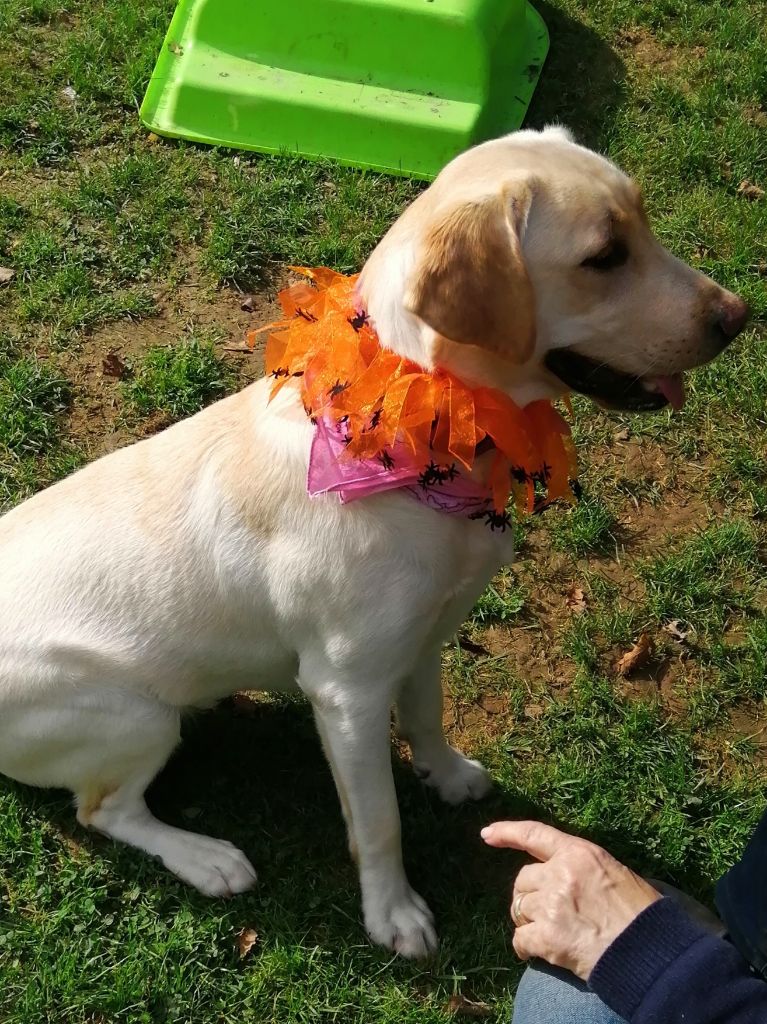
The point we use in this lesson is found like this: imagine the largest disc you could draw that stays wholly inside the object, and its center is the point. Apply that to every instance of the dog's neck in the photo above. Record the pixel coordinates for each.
(381, 290)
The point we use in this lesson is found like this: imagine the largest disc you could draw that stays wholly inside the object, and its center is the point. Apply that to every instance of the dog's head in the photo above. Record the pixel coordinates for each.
(529, 264)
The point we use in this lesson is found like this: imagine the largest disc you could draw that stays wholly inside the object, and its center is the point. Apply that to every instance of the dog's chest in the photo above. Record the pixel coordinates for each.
(462, 557)
(481, 550)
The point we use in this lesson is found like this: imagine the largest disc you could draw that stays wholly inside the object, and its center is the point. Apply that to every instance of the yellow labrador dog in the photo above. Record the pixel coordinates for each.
(174, 572)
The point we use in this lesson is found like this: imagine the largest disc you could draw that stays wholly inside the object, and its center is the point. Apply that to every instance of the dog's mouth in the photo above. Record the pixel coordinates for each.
(613, 388)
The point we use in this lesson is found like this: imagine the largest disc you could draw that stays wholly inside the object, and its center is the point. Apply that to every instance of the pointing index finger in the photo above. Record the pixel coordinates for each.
(539, 840)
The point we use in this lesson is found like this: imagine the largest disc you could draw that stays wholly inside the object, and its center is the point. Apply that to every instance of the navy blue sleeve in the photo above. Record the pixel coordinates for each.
(741, 898)
(665, 969)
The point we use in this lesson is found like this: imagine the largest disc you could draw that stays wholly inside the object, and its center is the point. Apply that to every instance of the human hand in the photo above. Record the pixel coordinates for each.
(573, 904)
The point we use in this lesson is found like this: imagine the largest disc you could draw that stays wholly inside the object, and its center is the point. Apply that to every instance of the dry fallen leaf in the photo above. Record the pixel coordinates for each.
(69, 94)
(175, 48)
(533, 710)
(246, 940)
(749, 190)
(678, 630)
(247, 305)
(638, 656)
(460, 1005)
(113, 365)
(493, 705)
(576, 599)
(239, 346)
(622, 435)
(6, 275)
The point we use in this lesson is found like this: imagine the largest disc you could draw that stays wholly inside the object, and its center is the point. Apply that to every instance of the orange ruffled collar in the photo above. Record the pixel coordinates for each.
(327, 348)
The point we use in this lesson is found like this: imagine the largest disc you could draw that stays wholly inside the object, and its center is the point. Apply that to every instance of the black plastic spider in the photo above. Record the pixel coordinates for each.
(434, 474)
(543, 475)
(498, 520)
(338, 388)
(386, 460)
(309, 317)
(358, 321)
(280, 371)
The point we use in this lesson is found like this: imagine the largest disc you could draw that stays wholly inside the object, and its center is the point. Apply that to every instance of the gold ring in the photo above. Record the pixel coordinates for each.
(517, 916)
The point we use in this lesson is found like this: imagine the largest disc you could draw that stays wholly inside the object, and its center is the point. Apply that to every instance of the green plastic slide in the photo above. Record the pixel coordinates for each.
(394, 85)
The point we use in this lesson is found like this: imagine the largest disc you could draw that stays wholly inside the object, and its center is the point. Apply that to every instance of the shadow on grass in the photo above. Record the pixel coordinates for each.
(582, 85)
(261, 781)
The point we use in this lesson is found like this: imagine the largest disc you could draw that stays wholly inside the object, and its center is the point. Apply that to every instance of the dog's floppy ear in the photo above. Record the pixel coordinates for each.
(470, 283)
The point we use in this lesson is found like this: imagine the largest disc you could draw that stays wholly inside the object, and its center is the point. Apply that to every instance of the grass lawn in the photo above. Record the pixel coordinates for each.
(131, 257)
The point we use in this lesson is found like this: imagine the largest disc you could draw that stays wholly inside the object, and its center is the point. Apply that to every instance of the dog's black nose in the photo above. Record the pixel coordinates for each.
(730, 319)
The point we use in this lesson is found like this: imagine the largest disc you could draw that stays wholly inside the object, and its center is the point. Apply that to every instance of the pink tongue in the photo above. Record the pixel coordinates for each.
(672, 388)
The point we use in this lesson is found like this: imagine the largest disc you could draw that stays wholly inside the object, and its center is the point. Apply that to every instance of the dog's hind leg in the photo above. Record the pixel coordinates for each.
(106, 748)
(419, 722)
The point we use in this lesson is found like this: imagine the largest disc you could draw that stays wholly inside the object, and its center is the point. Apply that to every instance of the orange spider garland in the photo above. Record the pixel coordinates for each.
(328, 349)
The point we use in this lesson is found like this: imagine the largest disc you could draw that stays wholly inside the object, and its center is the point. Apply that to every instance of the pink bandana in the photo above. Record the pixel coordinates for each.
(445, 488)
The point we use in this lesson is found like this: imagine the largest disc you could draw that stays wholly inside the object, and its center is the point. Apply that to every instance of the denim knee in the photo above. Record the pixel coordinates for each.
(549, 995)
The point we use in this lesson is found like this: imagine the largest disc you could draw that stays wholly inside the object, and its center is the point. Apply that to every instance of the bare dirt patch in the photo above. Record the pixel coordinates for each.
(646, 529)
(749, 724)
(668, 676)
(470, 724)
(652, 55)
(755, 114)
(96, 421)
(531, 648)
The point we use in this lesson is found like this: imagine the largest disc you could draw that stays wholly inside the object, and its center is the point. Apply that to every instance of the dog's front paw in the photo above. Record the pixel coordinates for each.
(455, 777)
(403, 924)
(214, 866)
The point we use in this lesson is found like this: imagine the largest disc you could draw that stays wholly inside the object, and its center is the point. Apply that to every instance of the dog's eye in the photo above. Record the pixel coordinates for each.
(613, 255)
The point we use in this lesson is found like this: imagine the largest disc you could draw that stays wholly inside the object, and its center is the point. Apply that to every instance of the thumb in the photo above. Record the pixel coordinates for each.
(539, 840)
